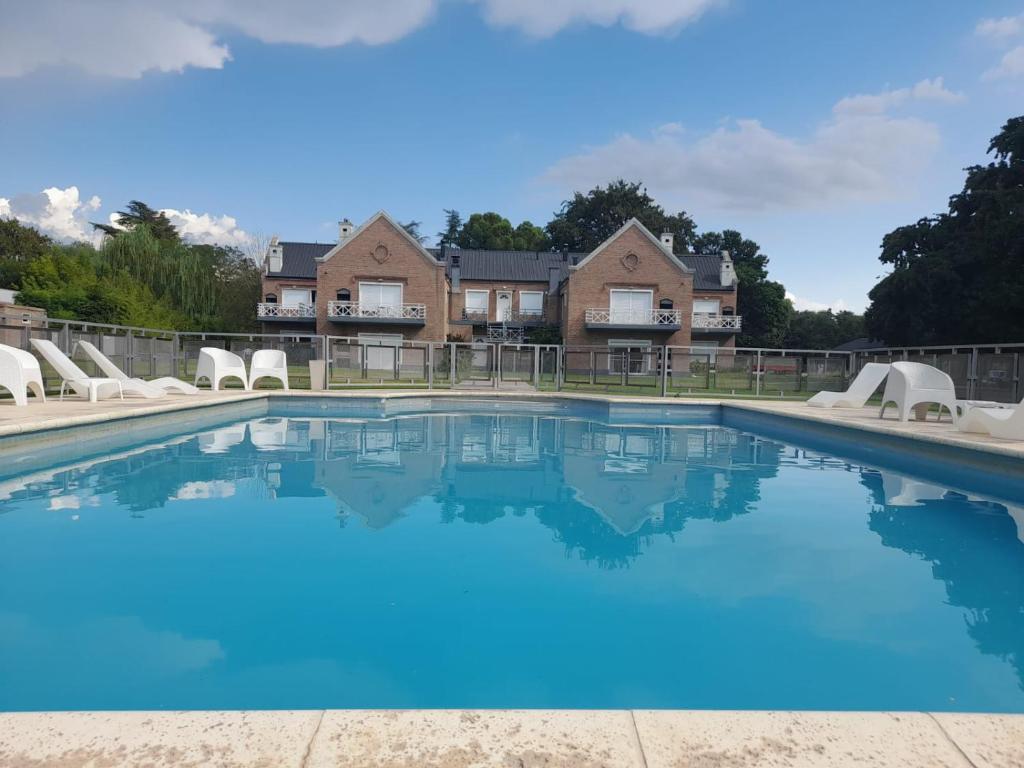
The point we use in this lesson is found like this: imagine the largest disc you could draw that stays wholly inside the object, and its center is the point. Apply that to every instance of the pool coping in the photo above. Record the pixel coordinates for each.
(864, 420)
(531, 738)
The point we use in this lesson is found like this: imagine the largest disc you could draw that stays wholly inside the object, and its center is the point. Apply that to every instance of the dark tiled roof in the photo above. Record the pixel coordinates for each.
(510, 266)
(299, 259)
(707, 271)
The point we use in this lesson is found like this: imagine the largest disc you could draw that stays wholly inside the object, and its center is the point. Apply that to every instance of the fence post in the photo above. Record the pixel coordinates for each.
(451, 365)
(593, 368)
(430, 365)
(972, 375)
(664, 370)
(129, 353)
(558, 367)
(66, 332)
(536, 367)
(496, 369)
(758, 373)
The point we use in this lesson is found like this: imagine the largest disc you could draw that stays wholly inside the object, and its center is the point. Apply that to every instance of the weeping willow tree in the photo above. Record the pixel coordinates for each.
(171, 269)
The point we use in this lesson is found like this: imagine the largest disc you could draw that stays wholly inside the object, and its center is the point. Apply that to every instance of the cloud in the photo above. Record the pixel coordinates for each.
(859, 154)
(128, 38)
(543, 18)
(879, 103)
(208, 229)
(801, 304)
(59, 213)
(1000, 29)
(1010, 66)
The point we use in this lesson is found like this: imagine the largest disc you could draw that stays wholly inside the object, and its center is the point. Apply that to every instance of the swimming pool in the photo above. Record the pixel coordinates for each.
(481, 554)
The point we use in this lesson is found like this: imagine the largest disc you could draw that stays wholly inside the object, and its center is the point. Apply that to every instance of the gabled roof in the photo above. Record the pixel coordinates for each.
(707, 271)
(298, 260)
(634, 222)
(366, 224)
(509, 266)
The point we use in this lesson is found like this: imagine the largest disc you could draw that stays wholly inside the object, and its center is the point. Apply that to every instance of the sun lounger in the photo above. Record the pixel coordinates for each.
(860, 390)
(92, 388)
(105, 364)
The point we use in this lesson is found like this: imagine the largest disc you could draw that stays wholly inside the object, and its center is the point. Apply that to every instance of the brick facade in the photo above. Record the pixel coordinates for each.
(631, 260)
(381, 252)
(457, 302)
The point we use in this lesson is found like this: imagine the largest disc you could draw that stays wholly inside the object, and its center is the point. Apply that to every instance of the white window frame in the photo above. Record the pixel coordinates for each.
(539, 310)
(364, 303)
(306, 301)
(630, 318)
(716, 302)
(487, 300)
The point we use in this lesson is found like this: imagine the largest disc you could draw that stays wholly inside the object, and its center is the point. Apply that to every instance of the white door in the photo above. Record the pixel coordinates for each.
(630, 306)
(503, 305)
(380, 299)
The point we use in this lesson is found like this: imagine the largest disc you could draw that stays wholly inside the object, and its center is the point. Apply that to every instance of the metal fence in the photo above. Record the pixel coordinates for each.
(980, 372)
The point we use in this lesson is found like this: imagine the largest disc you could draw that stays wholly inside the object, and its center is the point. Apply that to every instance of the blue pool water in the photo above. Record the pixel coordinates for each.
(504, 560)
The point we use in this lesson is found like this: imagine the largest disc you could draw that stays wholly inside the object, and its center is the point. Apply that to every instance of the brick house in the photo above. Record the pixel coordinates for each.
(379, 284)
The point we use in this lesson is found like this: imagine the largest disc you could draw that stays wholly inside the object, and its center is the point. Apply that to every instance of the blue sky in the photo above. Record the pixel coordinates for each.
(814, 128)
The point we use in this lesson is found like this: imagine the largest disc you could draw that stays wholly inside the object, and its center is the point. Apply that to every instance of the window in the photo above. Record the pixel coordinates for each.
(293, 297)
(344, 295)
(706, 306)
(709, 348)
(531, 302)
(270, 298)
(476, 302)
(665, 304)
(374, 295)
(627, 305)
(631, 355)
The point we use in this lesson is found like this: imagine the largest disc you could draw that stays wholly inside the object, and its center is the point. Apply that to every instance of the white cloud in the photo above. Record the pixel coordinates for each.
(859, 154)
(127, 38)
(59, 213)
(543, 18)
(878, 103)
(1011, 65)
(208, 229)
(1000, 29)
(802, 304)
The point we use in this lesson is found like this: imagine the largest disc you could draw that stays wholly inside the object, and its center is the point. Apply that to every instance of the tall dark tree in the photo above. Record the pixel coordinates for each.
(452, 225)
(492, 231)
(136, 213)
(19, 245)
(959, 277)
(762, 302)
(823, 329)
(413, 228)
(586, 221)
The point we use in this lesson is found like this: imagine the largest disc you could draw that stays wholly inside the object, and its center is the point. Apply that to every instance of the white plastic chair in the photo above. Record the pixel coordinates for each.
(19, 371)
(78, 381)
(270, 364)
(913, 387)
(1007, 423)
(217, 364)
(860, 389)
(105, 364)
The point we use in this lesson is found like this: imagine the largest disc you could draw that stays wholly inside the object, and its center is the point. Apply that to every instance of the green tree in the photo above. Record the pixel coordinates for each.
(823, 329)
(452, 225)
(586, 221)
(958, 277)
(18, 246)
(762, 302)
(529, 237)
(413, 228)
(489, 230)
(138, 213)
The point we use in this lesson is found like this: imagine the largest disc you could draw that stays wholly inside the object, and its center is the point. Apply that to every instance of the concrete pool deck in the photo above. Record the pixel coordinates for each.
(530, 739)
(509, 739)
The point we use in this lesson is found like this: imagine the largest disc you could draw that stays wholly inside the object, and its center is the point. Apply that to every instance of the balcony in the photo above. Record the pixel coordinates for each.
(705, 321)
(376, 314)
(271, 312)
(599, 318)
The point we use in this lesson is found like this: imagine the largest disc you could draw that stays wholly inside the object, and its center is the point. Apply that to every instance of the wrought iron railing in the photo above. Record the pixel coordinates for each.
(266, 310)
(522, 316)
(341, 309)
(609, 316)
(713, 322)
(476, 315)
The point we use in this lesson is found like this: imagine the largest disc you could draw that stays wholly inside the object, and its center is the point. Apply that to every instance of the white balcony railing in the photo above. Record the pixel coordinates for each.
(268, 309)
(602, 316)
(711, 322)
(342, 309)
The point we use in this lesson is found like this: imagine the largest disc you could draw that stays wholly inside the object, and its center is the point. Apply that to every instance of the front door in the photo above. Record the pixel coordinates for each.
(503, 305)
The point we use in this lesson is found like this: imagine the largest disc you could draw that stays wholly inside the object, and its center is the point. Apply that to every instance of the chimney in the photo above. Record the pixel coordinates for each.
(456, 275)
(667, 241)
(275, 255)
(565, 254)
(728, 274)
(553, 281)
(345, 230)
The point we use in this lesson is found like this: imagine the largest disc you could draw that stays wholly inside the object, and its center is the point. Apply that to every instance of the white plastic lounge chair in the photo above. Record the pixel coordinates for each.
(1007, 423)
(74, 378)
(915, 386)
(860, 389)
(19, 371)
(270, 364)
(105, 364)
(217, 364)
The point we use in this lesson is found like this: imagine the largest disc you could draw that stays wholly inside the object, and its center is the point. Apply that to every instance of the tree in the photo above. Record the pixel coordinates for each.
(823, 329)
(958, 277)
(529, 237)
(413, 228)
(586, 221)
(139, 213)
(762, 302)
(18, 246)
(452, 225)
